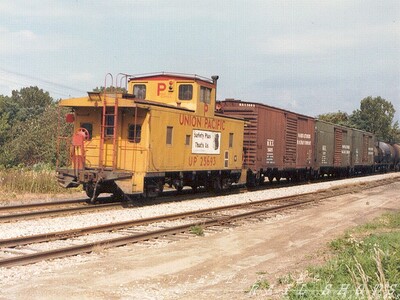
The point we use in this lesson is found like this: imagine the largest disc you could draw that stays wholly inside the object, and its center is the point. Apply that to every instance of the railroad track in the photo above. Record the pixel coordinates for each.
(38, 210)
(160, 226)
(12, 213)
(34, 210)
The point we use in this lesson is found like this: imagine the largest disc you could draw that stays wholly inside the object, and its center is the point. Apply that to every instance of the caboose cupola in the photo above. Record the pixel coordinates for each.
(193, 92)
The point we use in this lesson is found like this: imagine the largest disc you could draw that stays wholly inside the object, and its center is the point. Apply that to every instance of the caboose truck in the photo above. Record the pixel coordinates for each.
(164, 130)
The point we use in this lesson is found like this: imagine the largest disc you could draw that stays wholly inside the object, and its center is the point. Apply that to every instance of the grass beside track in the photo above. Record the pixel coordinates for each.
(19, 181)
(365, 265)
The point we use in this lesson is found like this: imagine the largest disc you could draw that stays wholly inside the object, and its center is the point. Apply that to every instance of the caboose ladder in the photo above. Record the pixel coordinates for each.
(109, 126)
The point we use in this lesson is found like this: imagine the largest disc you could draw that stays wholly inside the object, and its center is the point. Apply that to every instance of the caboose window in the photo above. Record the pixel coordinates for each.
(109, 128)
(89, 128)
(187, 140)
(169, 135)
(134, 133)
(185, 92)
(205, 95)
(139, 91)
(230, 140)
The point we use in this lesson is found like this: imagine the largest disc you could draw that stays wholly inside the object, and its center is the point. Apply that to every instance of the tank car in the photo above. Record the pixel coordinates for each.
(396, 148)
(162, 131)
(277, 143)
(384, 157)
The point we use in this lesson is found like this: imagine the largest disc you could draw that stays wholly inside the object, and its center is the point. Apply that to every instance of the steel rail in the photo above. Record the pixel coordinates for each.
(57, 211)
(39, 204)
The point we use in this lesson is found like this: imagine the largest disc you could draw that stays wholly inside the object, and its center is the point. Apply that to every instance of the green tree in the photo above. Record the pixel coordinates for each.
(375, 115)
(110, 89)
(29, 128)
(34, 141)
(4, 128)
(394, 133)
(4, 121)
(27, 103)
(341, 118)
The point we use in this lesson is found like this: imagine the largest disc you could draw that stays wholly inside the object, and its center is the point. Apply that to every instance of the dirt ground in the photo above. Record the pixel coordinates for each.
(220, 265)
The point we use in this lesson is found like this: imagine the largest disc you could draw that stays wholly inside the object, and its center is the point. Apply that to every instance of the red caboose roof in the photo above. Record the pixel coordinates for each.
(170, 75)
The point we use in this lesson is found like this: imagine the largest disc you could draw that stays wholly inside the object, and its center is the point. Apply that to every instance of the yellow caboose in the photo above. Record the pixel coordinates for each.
(163, 130)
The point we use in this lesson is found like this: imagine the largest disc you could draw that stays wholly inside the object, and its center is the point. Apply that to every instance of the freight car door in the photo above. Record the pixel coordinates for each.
(337, 158)
(365, 147)
(290, 141)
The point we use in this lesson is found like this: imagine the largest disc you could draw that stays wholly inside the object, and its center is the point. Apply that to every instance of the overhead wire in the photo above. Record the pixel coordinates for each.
(24, 80)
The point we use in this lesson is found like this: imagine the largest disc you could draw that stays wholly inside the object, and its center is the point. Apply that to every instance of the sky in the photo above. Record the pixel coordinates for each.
(310, 57)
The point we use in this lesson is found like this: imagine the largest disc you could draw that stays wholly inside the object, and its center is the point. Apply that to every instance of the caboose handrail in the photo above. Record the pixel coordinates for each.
(119, 79)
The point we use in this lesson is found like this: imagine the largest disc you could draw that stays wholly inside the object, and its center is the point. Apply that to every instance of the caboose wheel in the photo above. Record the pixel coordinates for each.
(217, 184)
(160, 187)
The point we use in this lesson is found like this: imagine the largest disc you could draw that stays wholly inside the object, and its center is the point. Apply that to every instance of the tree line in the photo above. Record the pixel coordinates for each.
(31, 121)
(375, 115)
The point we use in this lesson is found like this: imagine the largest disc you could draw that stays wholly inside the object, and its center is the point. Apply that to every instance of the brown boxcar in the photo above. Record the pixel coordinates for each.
(277, 143)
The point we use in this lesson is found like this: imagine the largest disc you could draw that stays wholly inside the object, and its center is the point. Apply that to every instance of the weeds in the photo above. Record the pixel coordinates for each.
(20, 180)
(100, 248)
(260, 284)
(288, 279)
(197, 230)
(366, 265)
